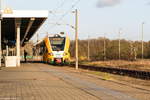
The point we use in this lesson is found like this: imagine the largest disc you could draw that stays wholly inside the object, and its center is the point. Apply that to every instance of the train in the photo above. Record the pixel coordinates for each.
(55, 49)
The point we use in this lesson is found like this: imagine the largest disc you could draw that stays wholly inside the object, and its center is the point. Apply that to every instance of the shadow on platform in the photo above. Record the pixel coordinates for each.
(32, 62)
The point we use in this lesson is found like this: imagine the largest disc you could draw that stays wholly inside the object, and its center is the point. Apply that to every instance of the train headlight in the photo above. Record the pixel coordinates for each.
(51, 54)
(64, 54)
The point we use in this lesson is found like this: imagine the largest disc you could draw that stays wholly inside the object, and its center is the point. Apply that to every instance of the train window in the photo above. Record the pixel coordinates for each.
(57, 43)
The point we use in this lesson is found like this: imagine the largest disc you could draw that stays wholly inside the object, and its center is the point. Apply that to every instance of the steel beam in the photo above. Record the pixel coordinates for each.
(28, 28)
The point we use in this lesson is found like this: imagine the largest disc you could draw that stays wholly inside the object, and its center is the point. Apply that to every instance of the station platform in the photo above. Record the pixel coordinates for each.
(34, 81)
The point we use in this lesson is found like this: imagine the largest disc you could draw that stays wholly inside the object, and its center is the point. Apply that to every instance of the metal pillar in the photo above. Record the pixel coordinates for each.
(47, 34)
(0, 39)
(104, 46)
(7, 50)
(37, 48)
(18, 41)
(28, 28)
(142, 40)
(119, 43)
(0, 34)
(88, 48)
(76, 37)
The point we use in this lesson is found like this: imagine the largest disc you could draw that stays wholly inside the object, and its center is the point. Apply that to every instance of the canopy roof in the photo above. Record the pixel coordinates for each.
(30, 22)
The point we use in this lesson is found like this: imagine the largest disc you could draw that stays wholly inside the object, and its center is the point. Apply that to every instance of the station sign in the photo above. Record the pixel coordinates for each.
(8, 11)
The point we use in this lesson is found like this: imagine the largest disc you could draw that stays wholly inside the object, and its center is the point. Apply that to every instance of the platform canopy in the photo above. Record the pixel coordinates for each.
(29, 20)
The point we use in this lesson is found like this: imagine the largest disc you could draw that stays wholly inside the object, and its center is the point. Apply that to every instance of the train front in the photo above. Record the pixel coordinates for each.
(59, 50)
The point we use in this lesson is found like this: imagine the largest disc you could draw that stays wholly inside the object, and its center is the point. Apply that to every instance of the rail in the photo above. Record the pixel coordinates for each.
(145, 75)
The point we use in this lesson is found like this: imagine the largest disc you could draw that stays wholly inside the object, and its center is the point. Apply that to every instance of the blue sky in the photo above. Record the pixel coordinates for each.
(93, 20)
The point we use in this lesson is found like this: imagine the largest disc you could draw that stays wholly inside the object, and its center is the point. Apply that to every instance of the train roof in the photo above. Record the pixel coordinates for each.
(56, 35)
(50, 35)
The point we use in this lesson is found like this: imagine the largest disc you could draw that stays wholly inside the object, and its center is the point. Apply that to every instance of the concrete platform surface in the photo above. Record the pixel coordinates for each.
(46, 82)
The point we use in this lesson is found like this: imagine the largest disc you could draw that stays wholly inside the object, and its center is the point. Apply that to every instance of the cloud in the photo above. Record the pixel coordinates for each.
(148, 3)
(107, 3)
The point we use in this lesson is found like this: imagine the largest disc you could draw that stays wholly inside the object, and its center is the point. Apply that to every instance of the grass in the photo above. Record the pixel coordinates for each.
(136, 65)
(105, 76)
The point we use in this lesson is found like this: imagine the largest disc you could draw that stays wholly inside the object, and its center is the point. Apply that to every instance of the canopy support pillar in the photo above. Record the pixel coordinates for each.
(18, 22)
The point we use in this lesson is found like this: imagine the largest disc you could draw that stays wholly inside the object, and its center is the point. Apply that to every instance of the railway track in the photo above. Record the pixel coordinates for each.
(145, 75)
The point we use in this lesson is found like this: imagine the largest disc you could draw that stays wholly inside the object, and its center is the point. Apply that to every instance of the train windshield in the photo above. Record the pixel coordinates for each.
(57, 43)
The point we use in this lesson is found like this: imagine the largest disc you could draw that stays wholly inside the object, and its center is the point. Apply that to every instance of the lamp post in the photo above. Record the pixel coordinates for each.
(76, 37)
(37, 53)
(88, 48)
(104, 46)
(120, 31)
(142, 39)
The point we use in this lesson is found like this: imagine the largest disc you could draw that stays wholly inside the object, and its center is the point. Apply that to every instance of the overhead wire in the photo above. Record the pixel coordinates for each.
(55, 9)
(59, 6)
(54, 15)
(63, 15)
(73, 6)
(66, 13)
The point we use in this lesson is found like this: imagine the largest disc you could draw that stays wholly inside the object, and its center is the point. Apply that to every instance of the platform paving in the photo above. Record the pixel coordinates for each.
(45, 82)
(31, 83)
